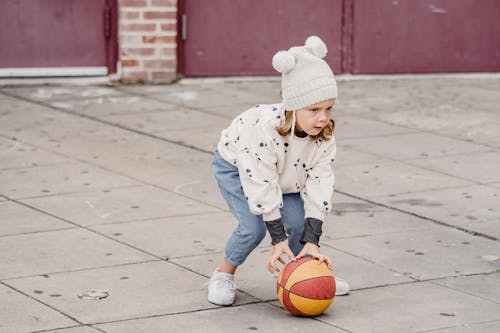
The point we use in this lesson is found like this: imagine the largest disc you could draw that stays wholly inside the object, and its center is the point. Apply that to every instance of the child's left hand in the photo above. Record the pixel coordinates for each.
(313, 250)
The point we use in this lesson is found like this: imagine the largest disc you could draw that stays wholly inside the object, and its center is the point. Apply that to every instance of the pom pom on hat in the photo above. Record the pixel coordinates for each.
(316, 46)
(283, 61)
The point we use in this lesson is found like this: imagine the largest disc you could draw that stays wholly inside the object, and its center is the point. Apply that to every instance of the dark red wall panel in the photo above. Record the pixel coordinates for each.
(425, 36)
(56, 33)
(227, 37)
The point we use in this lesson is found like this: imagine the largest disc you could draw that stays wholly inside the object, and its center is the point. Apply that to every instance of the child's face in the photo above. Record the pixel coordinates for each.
(314, 118)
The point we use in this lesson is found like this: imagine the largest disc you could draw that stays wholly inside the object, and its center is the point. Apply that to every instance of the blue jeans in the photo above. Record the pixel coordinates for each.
(251, 228)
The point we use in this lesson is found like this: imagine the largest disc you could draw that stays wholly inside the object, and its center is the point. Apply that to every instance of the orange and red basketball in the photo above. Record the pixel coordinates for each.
(306, 288)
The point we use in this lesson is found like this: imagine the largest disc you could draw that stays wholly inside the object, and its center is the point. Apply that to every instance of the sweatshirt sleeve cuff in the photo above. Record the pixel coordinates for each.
(272, 215)
(316, 214)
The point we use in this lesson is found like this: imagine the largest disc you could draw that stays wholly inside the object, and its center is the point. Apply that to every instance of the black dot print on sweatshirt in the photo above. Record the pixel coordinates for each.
(249, 172)
(325, 203)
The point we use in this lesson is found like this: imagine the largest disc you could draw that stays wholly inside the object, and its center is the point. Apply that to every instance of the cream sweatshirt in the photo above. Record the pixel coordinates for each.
(271, 165)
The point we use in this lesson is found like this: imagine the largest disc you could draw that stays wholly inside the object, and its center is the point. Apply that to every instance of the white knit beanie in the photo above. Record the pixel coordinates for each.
(306, 78)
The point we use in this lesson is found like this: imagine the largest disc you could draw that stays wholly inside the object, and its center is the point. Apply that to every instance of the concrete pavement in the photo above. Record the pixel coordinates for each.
(110, 188)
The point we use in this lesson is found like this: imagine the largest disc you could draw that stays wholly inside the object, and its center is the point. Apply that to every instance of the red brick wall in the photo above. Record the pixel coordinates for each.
(147, 40)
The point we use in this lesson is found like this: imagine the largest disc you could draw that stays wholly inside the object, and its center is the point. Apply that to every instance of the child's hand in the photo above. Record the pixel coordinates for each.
(313, 250)
(278, 250)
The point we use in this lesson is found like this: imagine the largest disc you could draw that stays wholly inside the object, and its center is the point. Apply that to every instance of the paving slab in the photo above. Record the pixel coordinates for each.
(205, 138)
(62, 250)
(65, 178)
(409, 308)
(22, 314)
(118, 205)
(45, 127)
(253, 278)
(423, 146)
(43, 94)
(175, 236)
(135, 291)
(78, 329)
(483, 133)
(230, 111)
(113, 105)
(195, 97)
(435, 253)
(257, 92)
(15, 154)
(251, 317)
(204, 189)
(346, 155)
(349, 127)
(352, 217)
(488, 327)
(386, 177)
(177, 119)
(480, 167)
(440, 116)
(19, 219)
(472, 207)
(482, 285)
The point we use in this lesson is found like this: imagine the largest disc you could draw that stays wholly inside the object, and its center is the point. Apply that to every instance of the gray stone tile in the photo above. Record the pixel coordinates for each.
(346, 155)
(356, 218)
(44, 127)
(253, 278)
(349, 127)
(112, 105)
(487, 327)
(479, 167)
(135, 291)
(483, 285)
(177, 119)
(78, 329)
(408, 308)
(175, 236)
(65, 178)
(259, 92)
(386, 177)
(414, 146)
(21, 314)
(471, 207)
(14, 154)
(196, 97)
(118, 205)
(155, 89)
(205, 138)
(62, 250)
(18, 219)
(229, 111)
(251, 317)
(435, 253)
(43, 94)
(484, 133)
(205, 190)
(439, 117)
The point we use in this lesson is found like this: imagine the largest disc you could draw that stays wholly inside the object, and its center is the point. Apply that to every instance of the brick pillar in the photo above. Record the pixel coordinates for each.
(147, 40)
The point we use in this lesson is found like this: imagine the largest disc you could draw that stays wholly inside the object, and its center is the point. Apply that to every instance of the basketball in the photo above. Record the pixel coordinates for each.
(306, 288)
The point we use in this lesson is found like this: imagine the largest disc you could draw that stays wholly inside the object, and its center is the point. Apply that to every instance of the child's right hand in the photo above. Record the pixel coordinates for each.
(278, 250)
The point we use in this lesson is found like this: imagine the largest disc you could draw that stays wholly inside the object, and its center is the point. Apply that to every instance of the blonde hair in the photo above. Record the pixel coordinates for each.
(285, 128)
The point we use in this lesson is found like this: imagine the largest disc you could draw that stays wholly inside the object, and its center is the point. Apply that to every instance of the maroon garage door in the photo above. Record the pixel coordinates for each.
(227, 37)
(51, 37)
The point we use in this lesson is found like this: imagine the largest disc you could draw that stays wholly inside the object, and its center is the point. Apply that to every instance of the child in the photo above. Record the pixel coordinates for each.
(273, 165)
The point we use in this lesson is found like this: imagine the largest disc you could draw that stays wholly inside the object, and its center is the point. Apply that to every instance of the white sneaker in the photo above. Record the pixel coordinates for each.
(221, 288)
(342, 287)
